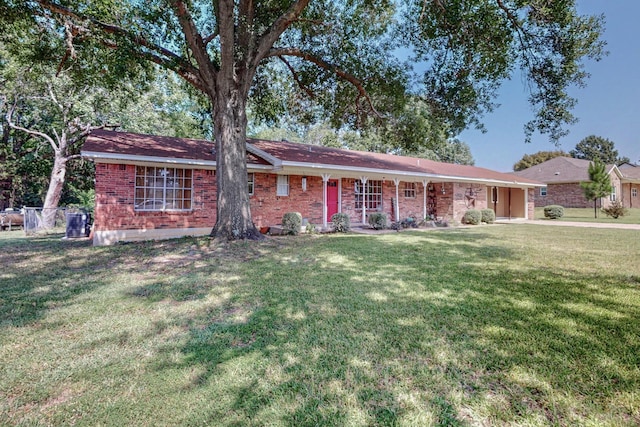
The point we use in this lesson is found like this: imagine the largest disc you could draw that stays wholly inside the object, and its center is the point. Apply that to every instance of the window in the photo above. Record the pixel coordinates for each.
(250, 183)
(372, 194)
(159, 189)
(543, 191)
(634, 192)
(283, 185)
(612, 196)
(410, 190)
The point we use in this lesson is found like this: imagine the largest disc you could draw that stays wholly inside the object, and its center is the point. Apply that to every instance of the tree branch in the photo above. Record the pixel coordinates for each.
(362, 92)
(310, 94)
(268, 39)
(207, 70)
(155, 53)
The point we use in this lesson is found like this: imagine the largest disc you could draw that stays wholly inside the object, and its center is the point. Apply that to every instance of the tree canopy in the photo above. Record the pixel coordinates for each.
(596, 147)
(529, 160)
(328, 58)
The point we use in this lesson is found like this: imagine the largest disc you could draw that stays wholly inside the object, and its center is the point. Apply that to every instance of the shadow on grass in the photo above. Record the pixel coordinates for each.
(447, 328)
(456, 330)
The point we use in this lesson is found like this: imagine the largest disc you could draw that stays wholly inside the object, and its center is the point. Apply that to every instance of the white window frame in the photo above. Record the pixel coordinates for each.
(543, 191)
(282, 187)
(251, 182)
(612, 196)
(373, 190)
(410, 190)
(634, 192)
(160, 189)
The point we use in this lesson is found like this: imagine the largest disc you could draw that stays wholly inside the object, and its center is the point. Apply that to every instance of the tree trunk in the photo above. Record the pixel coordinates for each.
(54, 192)
(595, 208)
(233, 220)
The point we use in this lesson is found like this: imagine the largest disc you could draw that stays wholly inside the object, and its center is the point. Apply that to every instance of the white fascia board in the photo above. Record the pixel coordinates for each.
(276, 162)
(128, 159)
(358, 171)
(151, 160)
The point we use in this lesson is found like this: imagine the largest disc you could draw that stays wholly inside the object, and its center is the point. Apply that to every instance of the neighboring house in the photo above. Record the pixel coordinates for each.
(630, 185)
(151, 187)
(563, 175)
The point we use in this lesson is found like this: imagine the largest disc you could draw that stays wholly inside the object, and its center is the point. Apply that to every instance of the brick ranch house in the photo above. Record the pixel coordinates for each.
(563, 175)
(150, 187)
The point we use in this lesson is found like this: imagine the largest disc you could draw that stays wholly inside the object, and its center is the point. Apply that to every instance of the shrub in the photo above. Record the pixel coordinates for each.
(488, 216)
(615, 210)
(378, 221)
(341, 222)
(472, 217)
(311, 228)
(409, 222)
(553, 211)
(291, 222)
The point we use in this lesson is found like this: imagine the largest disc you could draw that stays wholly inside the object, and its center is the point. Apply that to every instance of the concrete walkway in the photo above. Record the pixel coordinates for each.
(555, 222)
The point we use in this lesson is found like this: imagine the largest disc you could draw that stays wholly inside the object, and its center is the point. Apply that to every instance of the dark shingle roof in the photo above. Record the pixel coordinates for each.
(120, 145)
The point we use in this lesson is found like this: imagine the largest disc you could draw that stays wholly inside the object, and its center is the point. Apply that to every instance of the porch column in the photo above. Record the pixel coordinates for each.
(396, 181)
(325, 179)
(363, 180)
(424, 198)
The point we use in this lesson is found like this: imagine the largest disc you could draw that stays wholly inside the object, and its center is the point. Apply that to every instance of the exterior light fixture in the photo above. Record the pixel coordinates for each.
(443, 191)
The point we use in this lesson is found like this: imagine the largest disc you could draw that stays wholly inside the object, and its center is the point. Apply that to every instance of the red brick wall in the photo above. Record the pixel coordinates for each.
(567, 195)
(115, 188)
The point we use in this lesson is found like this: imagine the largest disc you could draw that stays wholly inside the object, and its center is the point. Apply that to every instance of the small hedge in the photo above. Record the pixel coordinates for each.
(553, 211)
(378, 221)
(341, 222)
(291, 222)
(615, 210)
(488, 216)
(472, 217)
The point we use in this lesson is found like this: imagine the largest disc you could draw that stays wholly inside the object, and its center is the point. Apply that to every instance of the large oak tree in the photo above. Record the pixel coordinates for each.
(340, 54)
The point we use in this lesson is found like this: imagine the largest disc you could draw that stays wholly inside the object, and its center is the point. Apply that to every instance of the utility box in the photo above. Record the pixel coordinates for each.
(78, 224)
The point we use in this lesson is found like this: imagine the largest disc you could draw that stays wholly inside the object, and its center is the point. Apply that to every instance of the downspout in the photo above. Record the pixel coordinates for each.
(325, 179)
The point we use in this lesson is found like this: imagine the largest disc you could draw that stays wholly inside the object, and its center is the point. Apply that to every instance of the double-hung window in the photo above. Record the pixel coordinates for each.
(160, 189)
(634, 192)
(282, 188)
(543, 191)
(612, 196)
(251, 183)
(372, 194)
(410, 190)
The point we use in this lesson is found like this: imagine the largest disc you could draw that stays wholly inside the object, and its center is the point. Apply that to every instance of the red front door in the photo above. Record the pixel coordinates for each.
(332, 198)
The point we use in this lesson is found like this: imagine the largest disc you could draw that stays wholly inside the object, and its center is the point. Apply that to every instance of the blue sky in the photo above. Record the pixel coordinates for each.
(608, 107)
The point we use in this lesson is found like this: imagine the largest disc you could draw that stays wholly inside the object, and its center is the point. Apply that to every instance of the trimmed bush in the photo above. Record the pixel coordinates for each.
(488, 216)
(472, 217)
(341, 222)
(615, 210)
(378, 221)
(311, 228)
(291, 222)
(553, 211)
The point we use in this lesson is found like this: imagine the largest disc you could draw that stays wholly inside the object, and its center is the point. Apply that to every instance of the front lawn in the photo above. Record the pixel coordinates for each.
(491, 325)
(587, 215)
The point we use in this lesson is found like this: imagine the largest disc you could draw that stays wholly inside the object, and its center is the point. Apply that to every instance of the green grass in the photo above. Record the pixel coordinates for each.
(492, 325)
(587, 215)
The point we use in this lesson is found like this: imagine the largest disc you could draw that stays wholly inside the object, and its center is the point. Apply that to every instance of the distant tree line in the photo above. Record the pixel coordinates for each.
(590, 148)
